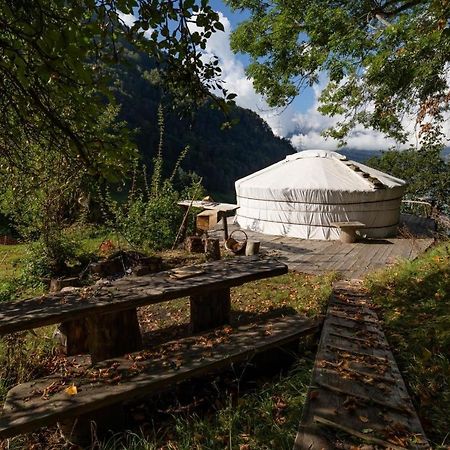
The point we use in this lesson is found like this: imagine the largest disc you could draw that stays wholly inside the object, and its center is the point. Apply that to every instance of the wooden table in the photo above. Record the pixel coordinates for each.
(348, 230)
(102, 320)
(224, 210)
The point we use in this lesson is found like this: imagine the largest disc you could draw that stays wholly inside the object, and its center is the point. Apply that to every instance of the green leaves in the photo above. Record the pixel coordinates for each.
(385, 59)
(54, 77)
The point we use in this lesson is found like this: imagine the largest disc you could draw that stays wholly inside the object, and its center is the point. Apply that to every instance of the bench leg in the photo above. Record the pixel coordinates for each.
(210, 310)
(113, 334)
(75, 334)
(347, 235)
(86, 429)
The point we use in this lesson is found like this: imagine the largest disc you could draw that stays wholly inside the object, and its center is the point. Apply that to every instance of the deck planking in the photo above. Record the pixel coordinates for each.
(357, 393)
(352, 261)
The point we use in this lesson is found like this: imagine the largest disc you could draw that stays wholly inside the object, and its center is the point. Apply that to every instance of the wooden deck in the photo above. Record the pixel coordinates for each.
(353, 261)
(357, 393)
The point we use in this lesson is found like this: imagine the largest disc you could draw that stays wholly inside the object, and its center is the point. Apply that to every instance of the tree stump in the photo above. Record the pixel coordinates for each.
(113, 334)
(194, 244)
(252, 248)
(211, 310)
(212, 249)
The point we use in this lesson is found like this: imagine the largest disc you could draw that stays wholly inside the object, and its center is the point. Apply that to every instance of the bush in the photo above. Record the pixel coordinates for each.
(150, 218)
(48, 257)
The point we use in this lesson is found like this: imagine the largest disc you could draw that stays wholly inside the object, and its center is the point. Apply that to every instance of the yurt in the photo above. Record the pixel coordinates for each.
(303, 195)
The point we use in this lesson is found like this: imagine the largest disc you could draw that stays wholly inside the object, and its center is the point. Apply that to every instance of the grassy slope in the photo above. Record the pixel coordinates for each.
(414, 301)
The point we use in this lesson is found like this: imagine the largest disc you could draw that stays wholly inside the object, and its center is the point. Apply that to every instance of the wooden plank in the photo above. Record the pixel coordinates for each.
(356, 386)
(43, 402)
(128, 293)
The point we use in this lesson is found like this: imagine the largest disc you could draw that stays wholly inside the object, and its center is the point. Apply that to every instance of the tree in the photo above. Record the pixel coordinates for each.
(426, 172)
(384, 58)
(53, 79)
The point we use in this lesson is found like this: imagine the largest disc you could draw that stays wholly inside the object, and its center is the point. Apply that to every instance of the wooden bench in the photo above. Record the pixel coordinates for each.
(105, 319)
(45, 401)
(102, 320)
(347, 230)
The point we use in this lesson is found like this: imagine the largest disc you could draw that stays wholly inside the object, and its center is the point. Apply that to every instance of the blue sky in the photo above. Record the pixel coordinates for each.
(301, 103)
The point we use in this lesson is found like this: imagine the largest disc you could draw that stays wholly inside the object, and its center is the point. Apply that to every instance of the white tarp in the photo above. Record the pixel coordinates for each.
(303, 194)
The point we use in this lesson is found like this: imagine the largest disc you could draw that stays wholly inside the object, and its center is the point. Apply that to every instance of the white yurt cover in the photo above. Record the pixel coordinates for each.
(305, 193)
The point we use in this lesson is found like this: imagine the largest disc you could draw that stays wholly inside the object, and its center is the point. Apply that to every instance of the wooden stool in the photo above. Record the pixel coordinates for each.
(347, 230)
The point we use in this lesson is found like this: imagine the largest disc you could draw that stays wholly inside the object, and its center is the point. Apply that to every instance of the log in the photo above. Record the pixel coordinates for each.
(252, 248)
(113, 334)
(210, 310)
(56, 284)
(212, 249)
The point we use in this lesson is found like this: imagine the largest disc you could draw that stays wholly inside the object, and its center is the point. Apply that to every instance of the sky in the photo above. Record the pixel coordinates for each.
(300, 121)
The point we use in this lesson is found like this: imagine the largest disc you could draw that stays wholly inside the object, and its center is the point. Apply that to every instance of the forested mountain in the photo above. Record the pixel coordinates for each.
(220, 155)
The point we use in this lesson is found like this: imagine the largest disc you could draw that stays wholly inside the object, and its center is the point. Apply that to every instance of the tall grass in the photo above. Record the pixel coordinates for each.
(414, 300)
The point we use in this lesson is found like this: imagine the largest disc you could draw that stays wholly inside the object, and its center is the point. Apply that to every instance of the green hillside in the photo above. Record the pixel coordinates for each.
(219, 154)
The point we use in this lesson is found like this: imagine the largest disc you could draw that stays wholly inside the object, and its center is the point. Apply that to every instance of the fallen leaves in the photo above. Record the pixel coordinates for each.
(71, 390)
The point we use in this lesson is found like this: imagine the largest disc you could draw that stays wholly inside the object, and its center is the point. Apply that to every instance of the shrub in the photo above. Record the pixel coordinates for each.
(150, 218)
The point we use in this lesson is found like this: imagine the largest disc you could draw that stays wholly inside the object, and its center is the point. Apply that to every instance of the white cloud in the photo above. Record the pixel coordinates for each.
(312, 123)
(233, 74)
(130, 19)
(305, 128)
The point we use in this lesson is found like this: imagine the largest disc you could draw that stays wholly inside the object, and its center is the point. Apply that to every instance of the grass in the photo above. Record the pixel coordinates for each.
(226, 412)
(414, 301)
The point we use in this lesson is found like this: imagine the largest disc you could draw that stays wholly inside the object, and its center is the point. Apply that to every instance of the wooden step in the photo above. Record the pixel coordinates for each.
(357, 391)
(45, 401)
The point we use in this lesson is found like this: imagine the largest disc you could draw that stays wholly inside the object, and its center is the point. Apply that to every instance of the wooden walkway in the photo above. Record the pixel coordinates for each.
(352, 261)
(357, 394)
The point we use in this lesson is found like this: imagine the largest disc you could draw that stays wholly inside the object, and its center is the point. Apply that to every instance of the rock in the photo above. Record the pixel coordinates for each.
(140, 270)
(70, 289)
(107, 267)
(56, 284)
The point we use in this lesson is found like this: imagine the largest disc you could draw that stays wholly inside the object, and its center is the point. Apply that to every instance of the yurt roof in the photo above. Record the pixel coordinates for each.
(319, 170)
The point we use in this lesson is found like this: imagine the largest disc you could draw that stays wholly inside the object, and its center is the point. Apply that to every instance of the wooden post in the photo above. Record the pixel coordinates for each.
(75, 333)
(210, 310)
(113, 334)
(212, 249)
(194, 244)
